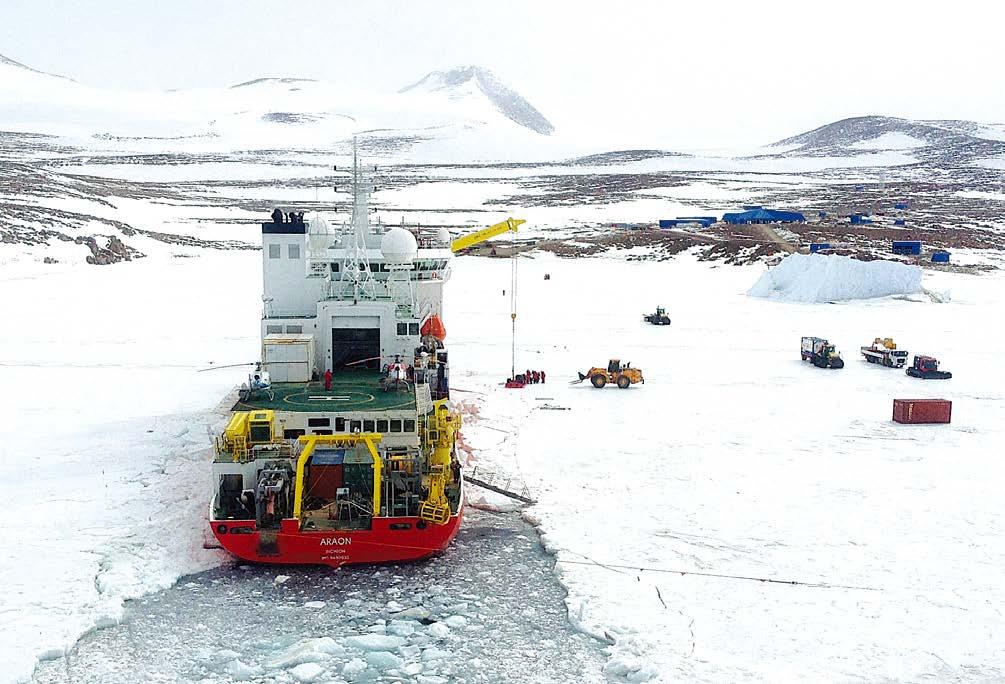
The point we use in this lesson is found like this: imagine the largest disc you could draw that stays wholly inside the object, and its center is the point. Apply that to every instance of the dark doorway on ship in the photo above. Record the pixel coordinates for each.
(355, 348)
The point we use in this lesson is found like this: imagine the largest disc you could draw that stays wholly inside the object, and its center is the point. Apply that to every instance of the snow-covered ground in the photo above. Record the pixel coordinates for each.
(104, 455)
(733, 459)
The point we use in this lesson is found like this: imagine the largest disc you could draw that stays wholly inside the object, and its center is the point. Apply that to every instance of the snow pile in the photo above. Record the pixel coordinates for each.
(825, 278)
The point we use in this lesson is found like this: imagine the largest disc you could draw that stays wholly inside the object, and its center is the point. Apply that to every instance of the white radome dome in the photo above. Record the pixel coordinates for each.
(318, 225)
(443, 236)
(398, 246)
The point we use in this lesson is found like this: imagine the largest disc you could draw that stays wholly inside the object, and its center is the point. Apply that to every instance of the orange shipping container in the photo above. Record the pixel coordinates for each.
(922, 410)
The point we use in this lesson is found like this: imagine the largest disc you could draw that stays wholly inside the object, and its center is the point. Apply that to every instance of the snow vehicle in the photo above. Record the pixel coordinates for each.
(820, 353)
(305, 475)
(883, 350)
(658, 318)
(622, 375)
(927, 368)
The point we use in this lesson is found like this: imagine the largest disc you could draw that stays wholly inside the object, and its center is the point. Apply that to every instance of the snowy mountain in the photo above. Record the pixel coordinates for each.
(8, 62)
(949, 141)
(474, 82)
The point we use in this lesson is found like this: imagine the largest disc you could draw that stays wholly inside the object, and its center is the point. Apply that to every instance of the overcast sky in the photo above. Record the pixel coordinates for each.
(703, 73)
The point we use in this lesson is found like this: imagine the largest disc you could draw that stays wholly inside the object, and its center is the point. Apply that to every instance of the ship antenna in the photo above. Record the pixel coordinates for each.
(357, 281)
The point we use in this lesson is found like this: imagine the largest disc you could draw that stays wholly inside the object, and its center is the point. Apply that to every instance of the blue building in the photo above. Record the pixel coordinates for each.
(906, 247)
(761, 215)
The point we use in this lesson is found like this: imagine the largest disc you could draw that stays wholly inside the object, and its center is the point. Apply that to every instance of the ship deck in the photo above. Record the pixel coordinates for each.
(351, 391)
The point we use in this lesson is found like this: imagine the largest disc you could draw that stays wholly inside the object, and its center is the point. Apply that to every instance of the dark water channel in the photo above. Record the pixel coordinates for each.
(488, 610)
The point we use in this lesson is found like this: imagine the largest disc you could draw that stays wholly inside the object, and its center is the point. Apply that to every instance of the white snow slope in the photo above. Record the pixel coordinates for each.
(734, 458)
(826, 278)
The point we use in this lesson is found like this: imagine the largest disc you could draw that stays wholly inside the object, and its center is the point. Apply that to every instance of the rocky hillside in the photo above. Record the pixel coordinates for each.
(948, 142)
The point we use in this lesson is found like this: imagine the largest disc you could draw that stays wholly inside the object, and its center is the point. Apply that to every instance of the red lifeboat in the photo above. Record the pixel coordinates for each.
(434, 326)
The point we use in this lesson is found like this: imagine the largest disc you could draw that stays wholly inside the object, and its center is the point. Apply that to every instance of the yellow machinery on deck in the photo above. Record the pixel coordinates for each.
(623, 376)
(441, 435)
(246, 430)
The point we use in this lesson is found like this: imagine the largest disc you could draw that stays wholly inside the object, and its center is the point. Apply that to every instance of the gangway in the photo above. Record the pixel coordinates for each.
(485, 480)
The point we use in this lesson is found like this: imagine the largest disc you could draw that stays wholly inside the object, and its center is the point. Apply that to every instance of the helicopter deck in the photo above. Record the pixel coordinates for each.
(351, 391)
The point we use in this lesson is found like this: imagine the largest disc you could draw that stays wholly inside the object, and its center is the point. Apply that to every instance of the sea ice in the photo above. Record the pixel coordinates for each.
(374, 642)
(383, 660)
(401, 628)
(438, 630)
(354, 667)
(304, 651)
(456, 622)
(307, 672)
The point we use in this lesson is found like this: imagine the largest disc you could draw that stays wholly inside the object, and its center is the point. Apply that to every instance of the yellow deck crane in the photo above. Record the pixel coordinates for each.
(472, 239)
(479, 236)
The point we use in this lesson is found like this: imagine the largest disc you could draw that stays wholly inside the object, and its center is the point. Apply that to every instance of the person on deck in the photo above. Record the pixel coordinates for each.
(328, 380)
(536, 376)
(542, 377)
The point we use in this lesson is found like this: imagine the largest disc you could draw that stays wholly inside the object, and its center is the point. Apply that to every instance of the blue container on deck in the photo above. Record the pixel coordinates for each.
(899, 222)
(940, 257)
(822, 214)
(860, 220)
(817, 246)
(906, 247)
(900, 205)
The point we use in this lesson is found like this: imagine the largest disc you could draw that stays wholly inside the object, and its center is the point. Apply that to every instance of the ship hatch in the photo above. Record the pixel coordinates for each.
(352, 345)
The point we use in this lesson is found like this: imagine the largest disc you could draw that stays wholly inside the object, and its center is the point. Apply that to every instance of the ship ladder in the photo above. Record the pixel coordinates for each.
(241, 448)
(500, 484)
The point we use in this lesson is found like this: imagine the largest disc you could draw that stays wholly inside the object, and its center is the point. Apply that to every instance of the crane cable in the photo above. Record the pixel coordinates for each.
(512, 310)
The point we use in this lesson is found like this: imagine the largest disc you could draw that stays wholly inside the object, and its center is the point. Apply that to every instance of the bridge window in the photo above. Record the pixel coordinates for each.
(368, 426)
(413, 328)
(293, 434)
(381, 426)
(294, 329)
(319, 422)
(322, 432)
(403, 328)
(355, 425)
(409, 425)
(395, 426)
(294, 251)
(273, 330)
(340, 425)
(275, 251)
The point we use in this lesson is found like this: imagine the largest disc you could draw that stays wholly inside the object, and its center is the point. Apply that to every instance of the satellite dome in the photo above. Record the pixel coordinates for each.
(443, 236)
(317, 224)
(398, 246)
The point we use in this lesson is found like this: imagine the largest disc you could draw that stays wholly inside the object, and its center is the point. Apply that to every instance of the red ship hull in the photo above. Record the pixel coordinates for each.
(390, 540)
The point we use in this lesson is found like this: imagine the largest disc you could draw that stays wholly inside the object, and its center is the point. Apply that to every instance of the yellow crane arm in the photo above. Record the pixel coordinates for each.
(472, 239)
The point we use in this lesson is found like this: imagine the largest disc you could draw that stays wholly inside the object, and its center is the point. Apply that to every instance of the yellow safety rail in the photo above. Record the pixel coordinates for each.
(311, 441)
(472, 239)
